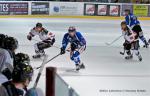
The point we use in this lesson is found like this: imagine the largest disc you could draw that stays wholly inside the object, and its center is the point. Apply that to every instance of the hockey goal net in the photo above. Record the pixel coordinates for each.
(56, 86)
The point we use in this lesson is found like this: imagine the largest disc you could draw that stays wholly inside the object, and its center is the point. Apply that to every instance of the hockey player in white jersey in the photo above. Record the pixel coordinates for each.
(7, 51)
(131, 42)
(48, 39)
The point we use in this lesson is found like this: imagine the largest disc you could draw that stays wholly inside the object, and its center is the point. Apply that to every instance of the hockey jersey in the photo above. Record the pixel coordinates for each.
(78, 38)
(43, 35)
(6, 60)
(131, 20)
(129, 36)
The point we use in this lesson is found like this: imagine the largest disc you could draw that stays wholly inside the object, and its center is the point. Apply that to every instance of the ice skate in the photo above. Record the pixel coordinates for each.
(128, 57)
(140, 57)
(82, 66)
(77, 67)
(36, 56)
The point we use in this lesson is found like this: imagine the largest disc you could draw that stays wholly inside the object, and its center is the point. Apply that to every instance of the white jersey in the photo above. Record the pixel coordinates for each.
(129, 36)
(6, 60)
(43, 35)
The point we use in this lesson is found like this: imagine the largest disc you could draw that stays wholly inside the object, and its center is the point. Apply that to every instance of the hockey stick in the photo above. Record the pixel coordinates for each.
(114, 40)
(40, 71)
(44, 42)
(48, 61)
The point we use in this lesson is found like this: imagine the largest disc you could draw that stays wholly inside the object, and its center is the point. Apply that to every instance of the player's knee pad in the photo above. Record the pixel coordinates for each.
(77, 60)
(74, 55)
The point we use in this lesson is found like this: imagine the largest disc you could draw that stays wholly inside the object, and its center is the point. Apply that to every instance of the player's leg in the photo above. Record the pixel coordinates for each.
(127, 48)
(75, 56)
(39, 50)
(136, 50)
(137, 28)
(143, 39)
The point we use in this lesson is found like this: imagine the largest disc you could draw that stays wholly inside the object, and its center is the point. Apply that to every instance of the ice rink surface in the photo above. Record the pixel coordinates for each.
(107, 73)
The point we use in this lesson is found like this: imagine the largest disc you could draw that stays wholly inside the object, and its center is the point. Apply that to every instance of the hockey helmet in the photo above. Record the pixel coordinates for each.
(21, 57)
(22, 72)
(10, 43)
(71, 29)
(39, 25)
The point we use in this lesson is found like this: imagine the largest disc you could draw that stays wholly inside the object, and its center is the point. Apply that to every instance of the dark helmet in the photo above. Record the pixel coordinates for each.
(22, 72)
(127, 10)
(10, 43)
(71, 29)
(21, 57)
(2, 38)
(38, 24)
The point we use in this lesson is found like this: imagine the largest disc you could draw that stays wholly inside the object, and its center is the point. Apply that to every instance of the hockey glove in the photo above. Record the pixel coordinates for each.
(29, 37)
(62, 51)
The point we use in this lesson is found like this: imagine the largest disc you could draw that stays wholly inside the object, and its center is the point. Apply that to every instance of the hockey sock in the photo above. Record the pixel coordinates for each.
(76, 57)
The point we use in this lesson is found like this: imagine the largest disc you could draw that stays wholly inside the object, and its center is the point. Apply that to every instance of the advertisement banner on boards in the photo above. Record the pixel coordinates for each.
(114, 10)
(124, 7)
(140, 10)
(40, 8)
(66, 8)
(102, 10)
(89, 9)
(16, 8)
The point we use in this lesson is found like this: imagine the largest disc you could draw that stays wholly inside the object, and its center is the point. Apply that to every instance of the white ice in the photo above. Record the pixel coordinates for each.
(105, 69)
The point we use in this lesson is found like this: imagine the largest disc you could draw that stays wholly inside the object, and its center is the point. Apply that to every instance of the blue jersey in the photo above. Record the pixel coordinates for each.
(78, 38)
(131, 20)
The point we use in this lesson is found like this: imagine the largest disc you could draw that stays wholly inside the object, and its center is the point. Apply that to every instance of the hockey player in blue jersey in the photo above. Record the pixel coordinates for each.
(134, 24)
(77, 46)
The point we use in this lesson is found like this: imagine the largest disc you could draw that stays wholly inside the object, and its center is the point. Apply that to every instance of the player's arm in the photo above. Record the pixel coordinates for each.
(50, 36)
(31, 34)
(64, 44)
(127, 19)
(82, 39)
(2, 61)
